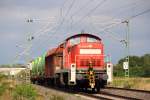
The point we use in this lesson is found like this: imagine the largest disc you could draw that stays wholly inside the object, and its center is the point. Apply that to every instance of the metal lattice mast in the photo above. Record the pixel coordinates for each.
(128, 55)
(28, 57)
(126, 63)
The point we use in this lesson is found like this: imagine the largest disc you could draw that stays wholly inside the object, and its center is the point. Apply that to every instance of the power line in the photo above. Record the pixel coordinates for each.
(139, 14)
(117, 23)
(92, 10)
(63, 3)
(45, 27)
(82, 7)
(122, 21)
(111, 25)
(69, 11)
(63, 19)
(61, 23)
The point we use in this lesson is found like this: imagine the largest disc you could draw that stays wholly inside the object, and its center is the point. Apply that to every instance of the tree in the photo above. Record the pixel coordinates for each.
(139, 66)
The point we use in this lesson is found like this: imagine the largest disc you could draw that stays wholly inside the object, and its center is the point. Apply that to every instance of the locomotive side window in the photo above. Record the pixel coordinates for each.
(74, 41)
(89, 39)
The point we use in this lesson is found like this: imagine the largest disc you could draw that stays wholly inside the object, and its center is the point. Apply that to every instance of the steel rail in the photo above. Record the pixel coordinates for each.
(134, 90)
(119, 96)
(100, 96)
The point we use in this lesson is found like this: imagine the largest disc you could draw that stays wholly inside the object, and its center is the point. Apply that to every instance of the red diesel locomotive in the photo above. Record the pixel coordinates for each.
(77, 62)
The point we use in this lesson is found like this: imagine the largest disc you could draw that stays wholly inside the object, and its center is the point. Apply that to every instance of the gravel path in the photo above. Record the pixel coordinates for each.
(50, 94)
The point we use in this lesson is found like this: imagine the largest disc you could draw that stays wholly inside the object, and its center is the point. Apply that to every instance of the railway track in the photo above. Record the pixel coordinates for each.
(134, 90)
(110, 93)
(106, 96)
(131, 94)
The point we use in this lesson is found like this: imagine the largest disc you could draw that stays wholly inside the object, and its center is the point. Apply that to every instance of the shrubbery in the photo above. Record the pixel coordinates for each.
(2, 89)
(3, 86)
(24, 92)
(138, 66)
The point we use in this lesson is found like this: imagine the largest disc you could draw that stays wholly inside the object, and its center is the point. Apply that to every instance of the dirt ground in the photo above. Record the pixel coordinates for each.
(52, 94)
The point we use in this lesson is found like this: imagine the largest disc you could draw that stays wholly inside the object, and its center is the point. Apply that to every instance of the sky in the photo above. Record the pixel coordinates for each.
(54, 20)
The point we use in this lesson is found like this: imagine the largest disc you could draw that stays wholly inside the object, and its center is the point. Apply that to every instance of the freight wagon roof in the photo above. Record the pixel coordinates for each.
(54, 51)
(50, 52)
(83, 34)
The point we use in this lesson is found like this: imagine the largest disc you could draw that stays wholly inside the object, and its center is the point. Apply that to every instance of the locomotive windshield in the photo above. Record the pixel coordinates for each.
(74, 41)
(89, 39)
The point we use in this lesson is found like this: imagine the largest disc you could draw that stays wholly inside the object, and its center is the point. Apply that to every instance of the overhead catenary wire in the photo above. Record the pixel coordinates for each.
(139, 14)
(62, 21)
(85, 5)
(63, 3)
(109, 26)
(113, 25)
(81, 8)
(91, 11)
(45, 28)
(53, 28)
(124, 21)
(63, 18)
(112, 20)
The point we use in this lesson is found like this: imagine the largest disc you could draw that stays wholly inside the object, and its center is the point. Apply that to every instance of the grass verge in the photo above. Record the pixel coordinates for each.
(131, 83)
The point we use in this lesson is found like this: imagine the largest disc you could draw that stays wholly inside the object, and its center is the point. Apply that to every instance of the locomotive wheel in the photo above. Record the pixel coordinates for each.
(93, 90)
(97, 89)
(36, 82)
(103, 84)
(33, 81)
(97, 86)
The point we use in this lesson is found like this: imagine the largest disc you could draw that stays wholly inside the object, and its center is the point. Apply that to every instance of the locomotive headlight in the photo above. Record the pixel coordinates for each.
(80, 71)
(79, 76)
(105, 76)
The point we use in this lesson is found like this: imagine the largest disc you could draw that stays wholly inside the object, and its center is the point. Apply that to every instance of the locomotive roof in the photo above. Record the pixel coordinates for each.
(83, 34)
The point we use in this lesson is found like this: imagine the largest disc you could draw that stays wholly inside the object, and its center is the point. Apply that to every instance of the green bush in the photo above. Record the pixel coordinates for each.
(2, 89)
(24, 92)
(3, 85)
(2, 77)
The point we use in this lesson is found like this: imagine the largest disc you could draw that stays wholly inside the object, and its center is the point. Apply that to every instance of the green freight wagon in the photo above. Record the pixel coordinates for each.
(38, 66)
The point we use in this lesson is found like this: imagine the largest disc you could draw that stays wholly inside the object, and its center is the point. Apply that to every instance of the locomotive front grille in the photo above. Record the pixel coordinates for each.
(85, 62)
